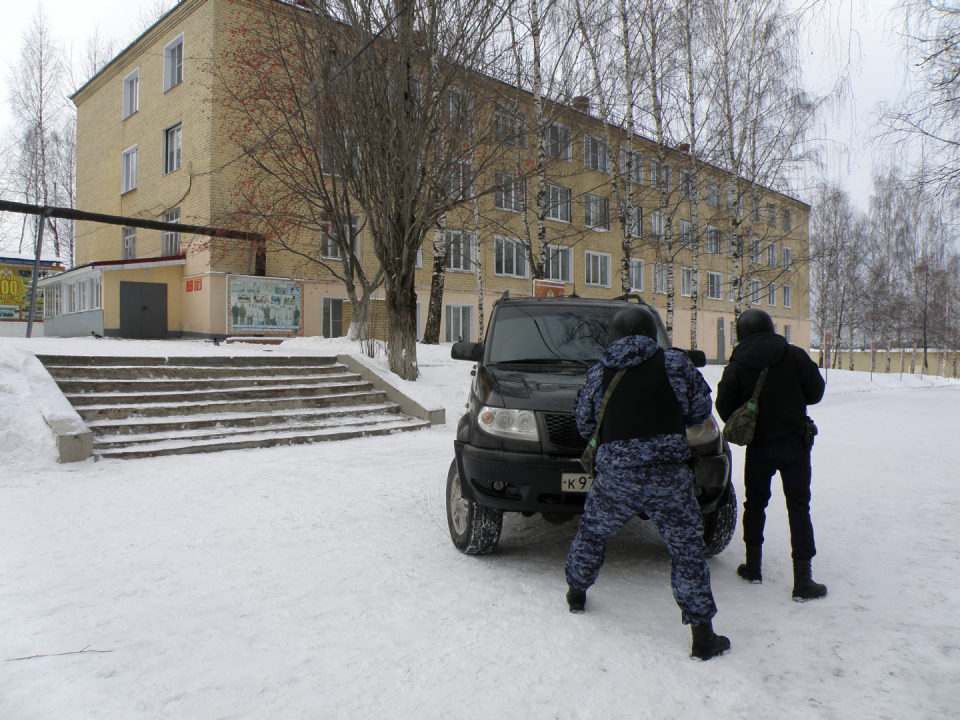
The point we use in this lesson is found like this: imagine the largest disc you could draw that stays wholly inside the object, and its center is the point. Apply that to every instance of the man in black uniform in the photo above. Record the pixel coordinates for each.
(781, 442)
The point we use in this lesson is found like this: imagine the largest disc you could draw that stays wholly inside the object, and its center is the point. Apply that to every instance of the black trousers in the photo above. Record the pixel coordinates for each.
(791, 457)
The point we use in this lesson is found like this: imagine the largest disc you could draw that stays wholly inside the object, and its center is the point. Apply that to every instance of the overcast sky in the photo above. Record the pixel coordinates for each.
(865, 30)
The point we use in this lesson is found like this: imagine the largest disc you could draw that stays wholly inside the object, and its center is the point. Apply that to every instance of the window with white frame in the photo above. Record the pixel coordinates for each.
(459, 251)
(685, 186)
(597, 269)
(131, 94)
(559, 203)
(81, 296)
(559, 264)
(171, 148)
(756, 251)
(787, 254)
(170, 241)
(458, 323)
(635, 222)
(659, 175)
(51, 300)
(686, 234)
(656, 225)
(594, 154)
(734, 285)
(772, 255)
(787, 299)
(636, 274)
(72, 297)
(332, 242)
(558, 142)
(94, 293)
(787, 333)
(128, 248)
(714, 286)
(711, 193)
(459, 109)
(756, 211)
(785, 218)
(712, 246)
(128, 170)
(756, 288)
(771, 215)
(686, 282)
(510, 257)
(660, 278)
(635, 171)
(173, 64)
(332, 317)
(510, 192)
(596, 212)
(459, 180)
(418, 263)
(772, 294)
(509, 126)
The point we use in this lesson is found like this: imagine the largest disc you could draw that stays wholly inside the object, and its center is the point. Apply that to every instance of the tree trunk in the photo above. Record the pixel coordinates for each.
(431, 331)
(401, 307)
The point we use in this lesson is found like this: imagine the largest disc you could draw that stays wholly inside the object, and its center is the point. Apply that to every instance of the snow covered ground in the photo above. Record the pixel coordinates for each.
(320, 582)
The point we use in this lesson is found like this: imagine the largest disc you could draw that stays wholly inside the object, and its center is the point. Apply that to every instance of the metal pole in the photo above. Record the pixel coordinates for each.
(36, 273)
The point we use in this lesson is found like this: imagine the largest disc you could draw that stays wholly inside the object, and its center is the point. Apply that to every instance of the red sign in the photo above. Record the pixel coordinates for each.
(197, 284)
(189, 285)
(548, 288)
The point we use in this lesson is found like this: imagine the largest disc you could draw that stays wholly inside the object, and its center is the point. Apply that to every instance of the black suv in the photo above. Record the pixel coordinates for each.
(518, 448)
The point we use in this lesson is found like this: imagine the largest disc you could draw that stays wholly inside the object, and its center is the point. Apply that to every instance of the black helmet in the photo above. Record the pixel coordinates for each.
(632, 320)
(754, 321)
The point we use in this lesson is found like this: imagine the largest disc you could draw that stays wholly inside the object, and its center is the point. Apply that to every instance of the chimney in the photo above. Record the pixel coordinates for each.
(581, 103)
(684, 148)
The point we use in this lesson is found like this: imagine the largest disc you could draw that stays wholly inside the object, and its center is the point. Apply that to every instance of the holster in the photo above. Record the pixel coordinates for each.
(808, 430)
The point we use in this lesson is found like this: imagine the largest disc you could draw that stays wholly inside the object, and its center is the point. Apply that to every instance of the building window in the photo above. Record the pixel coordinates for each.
(510, 192)
(459, 251)
(559, 203)
(714, 286)
(459, 180)
(559, 264)
(509, 126)
(594, 154)
(597, 269)
(756, 211)
(711, 192)
(94, 293)
(128, 171)
(787, 332)
(659, 176)
(713, 241)
(635, 222)
(787, 257)
(772, 255)
(660, 278)
(771, 215)
(596, 212)
(685, 191)
(171, 148)
(418, 263)
(785, 218)
(656, 225)
(170, 241)
(173, 64)
(558, 142)
(332, 317)
(635, 171)
(510, 257)
(787, 299)
(772, 295)
(82, 295)
(458, 322)
(331, 245)
(131, 93)
(128, 249)
(636, 275)
(686, 282)
(755, 290)
(732, 295)
(72, 297)
(756, 252)
(51, 300)
(686, 234)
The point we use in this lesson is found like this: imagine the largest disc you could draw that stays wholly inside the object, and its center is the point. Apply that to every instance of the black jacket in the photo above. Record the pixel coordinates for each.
(792, 383)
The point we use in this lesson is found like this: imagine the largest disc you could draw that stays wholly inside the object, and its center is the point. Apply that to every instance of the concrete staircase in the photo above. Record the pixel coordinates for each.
(143, 407)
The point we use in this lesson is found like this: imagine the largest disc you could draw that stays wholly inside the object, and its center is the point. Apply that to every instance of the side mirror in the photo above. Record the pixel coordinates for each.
(697, 357)
(467, 351)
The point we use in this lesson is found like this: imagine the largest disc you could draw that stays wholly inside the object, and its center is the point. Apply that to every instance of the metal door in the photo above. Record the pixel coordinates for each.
(721, 344)
(143, 310)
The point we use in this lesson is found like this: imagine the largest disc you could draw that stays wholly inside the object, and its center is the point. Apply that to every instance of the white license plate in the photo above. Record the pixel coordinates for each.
(575, 482)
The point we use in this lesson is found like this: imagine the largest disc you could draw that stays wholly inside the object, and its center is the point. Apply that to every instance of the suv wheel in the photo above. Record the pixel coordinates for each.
(474, 528)
(719, 526)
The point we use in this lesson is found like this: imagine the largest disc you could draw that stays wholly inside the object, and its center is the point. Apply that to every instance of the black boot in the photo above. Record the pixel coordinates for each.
(576, 599)
(706, 643)
(804, 588)
(750, 570)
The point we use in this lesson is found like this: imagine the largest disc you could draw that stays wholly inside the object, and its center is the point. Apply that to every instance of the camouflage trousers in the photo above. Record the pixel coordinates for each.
(665, 494)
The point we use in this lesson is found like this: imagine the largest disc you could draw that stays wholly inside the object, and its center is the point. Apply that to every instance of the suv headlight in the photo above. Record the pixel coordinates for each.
(520, 424)
(705, 432)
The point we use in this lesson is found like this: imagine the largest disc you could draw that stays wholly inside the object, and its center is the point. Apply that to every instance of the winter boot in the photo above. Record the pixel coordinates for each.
(576, 599)
(706, 643)
(750, 570)
(804, 588)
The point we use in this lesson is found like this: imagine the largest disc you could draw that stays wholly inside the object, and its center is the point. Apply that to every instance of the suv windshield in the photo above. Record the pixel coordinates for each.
(551, 333)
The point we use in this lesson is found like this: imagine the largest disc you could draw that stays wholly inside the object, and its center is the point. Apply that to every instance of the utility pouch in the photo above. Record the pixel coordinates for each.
(809, 431)
(742, 424)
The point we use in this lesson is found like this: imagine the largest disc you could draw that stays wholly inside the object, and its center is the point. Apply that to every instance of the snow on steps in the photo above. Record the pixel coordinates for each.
(143, 407)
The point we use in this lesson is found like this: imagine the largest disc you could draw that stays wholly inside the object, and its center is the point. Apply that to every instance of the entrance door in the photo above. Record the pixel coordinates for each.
(143, 310)
(721, 344)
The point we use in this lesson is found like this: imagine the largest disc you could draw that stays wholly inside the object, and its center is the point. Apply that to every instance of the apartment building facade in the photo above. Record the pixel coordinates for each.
(151, 144)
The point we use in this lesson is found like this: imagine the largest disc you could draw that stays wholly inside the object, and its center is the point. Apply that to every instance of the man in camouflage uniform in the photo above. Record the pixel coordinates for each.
(641, 466)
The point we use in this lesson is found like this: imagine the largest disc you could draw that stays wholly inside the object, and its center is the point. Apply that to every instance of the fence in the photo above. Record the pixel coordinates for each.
(941, 363)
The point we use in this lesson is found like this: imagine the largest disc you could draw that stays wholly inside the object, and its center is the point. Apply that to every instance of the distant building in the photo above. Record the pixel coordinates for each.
(150, 134)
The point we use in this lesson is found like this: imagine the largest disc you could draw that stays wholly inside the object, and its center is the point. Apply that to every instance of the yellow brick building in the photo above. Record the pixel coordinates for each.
(151, 144)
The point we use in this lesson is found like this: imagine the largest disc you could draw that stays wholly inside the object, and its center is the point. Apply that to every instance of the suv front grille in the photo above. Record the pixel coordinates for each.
(562, 431)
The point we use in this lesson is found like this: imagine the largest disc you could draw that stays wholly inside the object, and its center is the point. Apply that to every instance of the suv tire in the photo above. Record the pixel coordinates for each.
(719, 526)
(474, 528)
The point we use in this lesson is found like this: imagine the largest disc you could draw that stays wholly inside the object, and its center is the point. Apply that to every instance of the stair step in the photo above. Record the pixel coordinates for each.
(230, 394)
(198, 361)
(150, 372)
(262, 440)
(84, 386)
